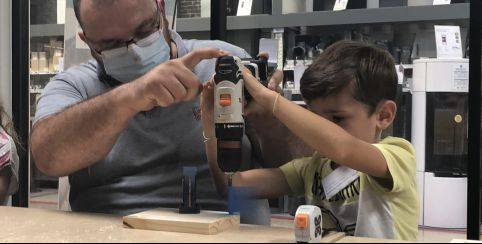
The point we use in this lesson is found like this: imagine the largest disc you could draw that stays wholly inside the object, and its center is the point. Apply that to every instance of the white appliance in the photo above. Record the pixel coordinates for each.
(439, 135)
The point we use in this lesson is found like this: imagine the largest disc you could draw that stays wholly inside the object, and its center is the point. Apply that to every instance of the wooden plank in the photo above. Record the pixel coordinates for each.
(332, 238)
(464, 241)
(207, 222)
(354, 239)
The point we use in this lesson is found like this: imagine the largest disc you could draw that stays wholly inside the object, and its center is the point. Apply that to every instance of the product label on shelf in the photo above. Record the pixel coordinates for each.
(340, 5)
(244, 7)
(461, 77)
(449, 41)
(441, 2)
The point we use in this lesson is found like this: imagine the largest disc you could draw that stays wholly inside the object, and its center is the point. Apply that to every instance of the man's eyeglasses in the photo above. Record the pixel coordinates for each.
(144, 31)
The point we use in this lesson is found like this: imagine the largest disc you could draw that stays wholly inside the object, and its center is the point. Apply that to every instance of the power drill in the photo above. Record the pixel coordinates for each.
(229, 99)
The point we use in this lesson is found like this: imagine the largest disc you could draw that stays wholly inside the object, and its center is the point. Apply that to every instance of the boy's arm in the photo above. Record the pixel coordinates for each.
(331, 140)
(327, 138)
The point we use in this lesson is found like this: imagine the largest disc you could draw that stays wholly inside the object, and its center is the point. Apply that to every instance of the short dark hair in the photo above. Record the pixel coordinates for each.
(368, 69)
(77, 8)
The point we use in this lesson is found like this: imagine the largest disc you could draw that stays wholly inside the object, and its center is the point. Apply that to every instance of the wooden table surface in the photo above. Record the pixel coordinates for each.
(40, 225)
(353, 239)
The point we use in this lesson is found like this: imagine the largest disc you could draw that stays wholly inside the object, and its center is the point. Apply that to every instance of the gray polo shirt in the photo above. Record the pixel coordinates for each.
(144, 168)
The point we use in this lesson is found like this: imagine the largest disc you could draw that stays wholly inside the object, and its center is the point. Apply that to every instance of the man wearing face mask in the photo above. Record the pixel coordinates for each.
(123, 125)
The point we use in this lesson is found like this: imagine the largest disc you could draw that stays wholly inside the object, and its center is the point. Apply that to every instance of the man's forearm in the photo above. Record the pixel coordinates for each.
(82, 134)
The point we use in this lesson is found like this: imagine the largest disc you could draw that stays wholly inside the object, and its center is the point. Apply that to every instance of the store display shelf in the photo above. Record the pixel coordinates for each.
(47, 30)
(49, 73)
(333, 18)
(36, 91)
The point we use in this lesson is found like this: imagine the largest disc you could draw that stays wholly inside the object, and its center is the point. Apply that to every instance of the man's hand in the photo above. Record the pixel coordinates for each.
(170, 82)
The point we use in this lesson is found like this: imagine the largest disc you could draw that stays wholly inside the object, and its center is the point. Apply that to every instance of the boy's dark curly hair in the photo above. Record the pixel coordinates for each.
(368, 70)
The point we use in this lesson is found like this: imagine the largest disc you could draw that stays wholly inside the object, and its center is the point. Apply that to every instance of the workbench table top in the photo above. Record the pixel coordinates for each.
(40, 225)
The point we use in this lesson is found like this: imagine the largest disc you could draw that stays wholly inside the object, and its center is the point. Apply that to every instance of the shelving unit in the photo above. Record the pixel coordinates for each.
(33, 74)
(40, 39)
(334, 18)
(36, 91)
(243, 30)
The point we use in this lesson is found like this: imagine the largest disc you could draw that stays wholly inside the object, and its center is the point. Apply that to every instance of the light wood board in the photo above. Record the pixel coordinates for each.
(207, 222)
(353, 239)
(332, 238)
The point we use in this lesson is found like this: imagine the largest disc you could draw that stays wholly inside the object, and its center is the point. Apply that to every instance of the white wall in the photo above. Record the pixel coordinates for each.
(6, 54)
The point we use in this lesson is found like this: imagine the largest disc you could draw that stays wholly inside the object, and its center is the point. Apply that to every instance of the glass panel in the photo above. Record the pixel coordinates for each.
(46, 60)
(447, 127)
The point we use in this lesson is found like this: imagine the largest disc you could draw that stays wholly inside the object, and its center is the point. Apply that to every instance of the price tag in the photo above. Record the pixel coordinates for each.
(340, 5)
(441, 2)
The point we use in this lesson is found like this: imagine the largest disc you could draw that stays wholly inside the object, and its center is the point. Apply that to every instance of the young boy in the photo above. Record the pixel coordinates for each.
(365, 185)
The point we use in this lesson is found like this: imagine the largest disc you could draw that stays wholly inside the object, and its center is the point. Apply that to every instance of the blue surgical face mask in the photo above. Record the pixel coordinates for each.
(126, 64)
